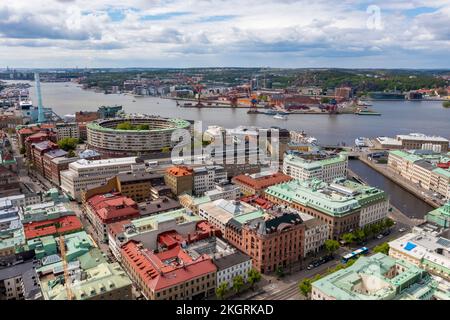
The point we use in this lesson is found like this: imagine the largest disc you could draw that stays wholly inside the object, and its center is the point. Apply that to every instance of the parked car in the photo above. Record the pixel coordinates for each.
(380, 236)
(401, 230)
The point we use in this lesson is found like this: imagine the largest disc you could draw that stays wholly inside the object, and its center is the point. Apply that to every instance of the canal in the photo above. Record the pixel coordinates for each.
(406, 202)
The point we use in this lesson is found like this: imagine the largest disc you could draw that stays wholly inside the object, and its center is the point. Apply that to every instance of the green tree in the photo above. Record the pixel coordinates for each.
(305, 286)
(222, 290)
(331, 246)
(253, 277)
(125, 126)
(279, 272)
(22, 150)
(388, 223)
(238, 283)
(383, 248)
(446, 104)
(348, 237)
(359, 235)
(71, 154)
(325, 100)
(68, 144)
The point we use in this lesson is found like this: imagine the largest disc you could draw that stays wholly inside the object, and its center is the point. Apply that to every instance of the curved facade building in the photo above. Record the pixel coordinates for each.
(103, 136)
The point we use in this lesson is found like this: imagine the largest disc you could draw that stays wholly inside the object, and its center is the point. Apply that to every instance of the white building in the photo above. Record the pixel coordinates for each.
(327, 169)
(425, 250)
(227, 192)
(316, 233)
(67, 130)
(206, 178)
(232, 265)
(84, 174)
(219, 212)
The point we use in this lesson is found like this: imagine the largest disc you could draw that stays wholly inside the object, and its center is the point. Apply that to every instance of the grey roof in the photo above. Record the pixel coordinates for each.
(137, 176)
(231, 260)
(159, 205)
(56, 153)
(425, 164)
(16, 270)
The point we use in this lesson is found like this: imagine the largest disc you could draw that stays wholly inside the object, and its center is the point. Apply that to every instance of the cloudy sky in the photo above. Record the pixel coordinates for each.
(201, 33)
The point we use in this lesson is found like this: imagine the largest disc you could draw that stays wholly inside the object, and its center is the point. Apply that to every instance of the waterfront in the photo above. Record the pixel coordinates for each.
(397, 116)
(406, 202)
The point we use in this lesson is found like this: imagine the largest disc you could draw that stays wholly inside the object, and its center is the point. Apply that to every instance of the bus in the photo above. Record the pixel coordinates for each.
(355, 254)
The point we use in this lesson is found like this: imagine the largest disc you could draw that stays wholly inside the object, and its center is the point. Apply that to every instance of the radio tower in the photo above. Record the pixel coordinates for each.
(41, 115)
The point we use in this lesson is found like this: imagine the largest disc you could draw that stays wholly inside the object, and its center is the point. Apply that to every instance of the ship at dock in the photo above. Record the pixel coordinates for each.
(389, 95)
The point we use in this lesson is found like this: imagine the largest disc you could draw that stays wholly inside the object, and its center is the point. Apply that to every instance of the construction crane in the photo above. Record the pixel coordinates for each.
(198, 89)
(62, 249)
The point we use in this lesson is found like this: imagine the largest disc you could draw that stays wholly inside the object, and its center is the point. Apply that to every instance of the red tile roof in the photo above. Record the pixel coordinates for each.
(165, 269)
(262, 182)
(179, 171)
(114, 206)
(58, 226)
(25, 131)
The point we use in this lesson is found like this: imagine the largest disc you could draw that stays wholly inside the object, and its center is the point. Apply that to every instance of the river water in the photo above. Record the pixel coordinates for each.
(398, 117)
(406, 202)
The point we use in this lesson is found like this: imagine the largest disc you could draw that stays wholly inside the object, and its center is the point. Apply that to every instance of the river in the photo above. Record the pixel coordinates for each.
(398, 117)
(406, 202)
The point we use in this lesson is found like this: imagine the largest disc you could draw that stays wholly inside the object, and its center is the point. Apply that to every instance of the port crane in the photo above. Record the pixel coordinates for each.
(198, 89)
(62, 249)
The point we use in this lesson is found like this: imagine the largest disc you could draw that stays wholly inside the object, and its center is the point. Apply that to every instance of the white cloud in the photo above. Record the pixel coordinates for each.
(224, 32)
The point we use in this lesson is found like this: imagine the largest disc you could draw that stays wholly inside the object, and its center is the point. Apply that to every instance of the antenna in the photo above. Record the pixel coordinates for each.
(41, 116)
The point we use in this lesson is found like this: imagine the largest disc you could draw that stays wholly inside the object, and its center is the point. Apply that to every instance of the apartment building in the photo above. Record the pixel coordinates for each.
(219, 212)
(414, 141)
(67, 130)
(316, 233)
(251, 184)
(102, 210)
(84, 174)
(428, 170)
(304, 166)
(180, 179)
(344, 205)
(272, 242)
(440, 216)
(206, 178)
(173, 274)
(38, 150)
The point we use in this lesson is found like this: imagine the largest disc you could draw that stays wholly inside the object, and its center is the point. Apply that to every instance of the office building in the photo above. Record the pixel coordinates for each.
(344, 205)
(251, 184)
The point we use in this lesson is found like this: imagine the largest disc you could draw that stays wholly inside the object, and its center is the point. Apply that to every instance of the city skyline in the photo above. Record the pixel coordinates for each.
(183, 34)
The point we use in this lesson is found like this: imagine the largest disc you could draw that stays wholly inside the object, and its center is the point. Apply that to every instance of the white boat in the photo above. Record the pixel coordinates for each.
(280, 117)
(363, 104)
(361, 142)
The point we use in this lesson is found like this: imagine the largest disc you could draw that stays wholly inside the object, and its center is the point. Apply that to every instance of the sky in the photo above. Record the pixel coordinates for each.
(225, 33)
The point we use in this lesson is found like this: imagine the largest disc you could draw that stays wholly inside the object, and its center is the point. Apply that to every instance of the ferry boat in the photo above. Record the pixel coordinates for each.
(363, 104)
(360, 142)
(280, 116)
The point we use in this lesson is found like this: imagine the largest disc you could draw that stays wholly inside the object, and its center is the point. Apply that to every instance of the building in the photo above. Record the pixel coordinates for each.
(38, 150)
(9, 183)
(414, 141)
(147, 230)
(17, 283)
(180, 179)
(67, 130)
(206, 178)
(424, 250)
(344, 205)
(273, 243)
(53, 165)
(37, 138)
(320, 166)
(86, 116)
(154, 135)
(224, 191)
(12, 236)
(379, 277)
(219, 212)
(169, 275)
(316, 233)
(229, 261)
(84, 174)
(45, 211)
(251, 184)
(160, 205)
(440, 216)
(428, 170)
(102, 210)
(137, 184)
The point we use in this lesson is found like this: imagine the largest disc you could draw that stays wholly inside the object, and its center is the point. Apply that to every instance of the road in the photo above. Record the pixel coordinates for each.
(287, 287)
